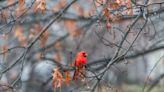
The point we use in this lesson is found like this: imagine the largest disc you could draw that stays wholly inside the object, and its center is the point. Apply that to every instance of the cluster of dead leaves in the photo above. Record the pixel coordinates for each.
(39, 5)
(58, 79)
(114, 5)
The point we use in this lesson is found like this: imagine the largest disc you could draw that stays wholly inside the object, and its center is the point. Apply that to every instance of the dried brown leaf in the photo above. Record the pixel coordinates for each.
(57, 79)
(42, 6)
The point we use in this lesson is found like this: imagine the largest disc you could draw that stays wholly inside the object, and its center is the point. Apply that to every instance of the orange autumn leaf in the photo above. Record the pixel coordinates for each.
(67, 78)
(106, 12)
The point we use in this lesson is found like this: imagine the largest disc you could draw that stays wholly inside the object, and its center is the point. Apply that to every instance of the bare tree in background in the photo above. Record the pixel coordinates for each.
(123, 39)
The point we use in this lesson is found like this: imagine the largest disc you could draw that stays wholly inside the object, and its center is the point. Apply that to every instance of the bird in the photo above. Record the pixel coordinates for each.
(80, 64)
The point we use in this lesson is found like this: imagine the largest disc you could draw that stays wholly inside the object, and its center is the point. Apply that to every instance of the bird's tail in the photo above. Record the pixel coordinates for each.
(76, 74)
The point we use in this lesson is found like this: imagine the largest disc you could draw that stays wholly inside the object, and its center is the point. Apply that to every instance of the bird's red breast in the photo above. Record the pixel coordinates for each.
(81, 59)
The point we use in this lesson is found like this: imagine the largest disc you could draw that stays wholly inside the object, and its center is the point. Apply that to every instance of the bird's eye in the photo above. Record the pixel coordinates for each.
(84, 54)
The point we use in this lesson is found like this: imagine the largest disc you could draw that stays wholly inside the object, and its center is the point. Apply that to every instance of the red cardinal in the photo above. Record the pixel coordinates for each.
(80, 62)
